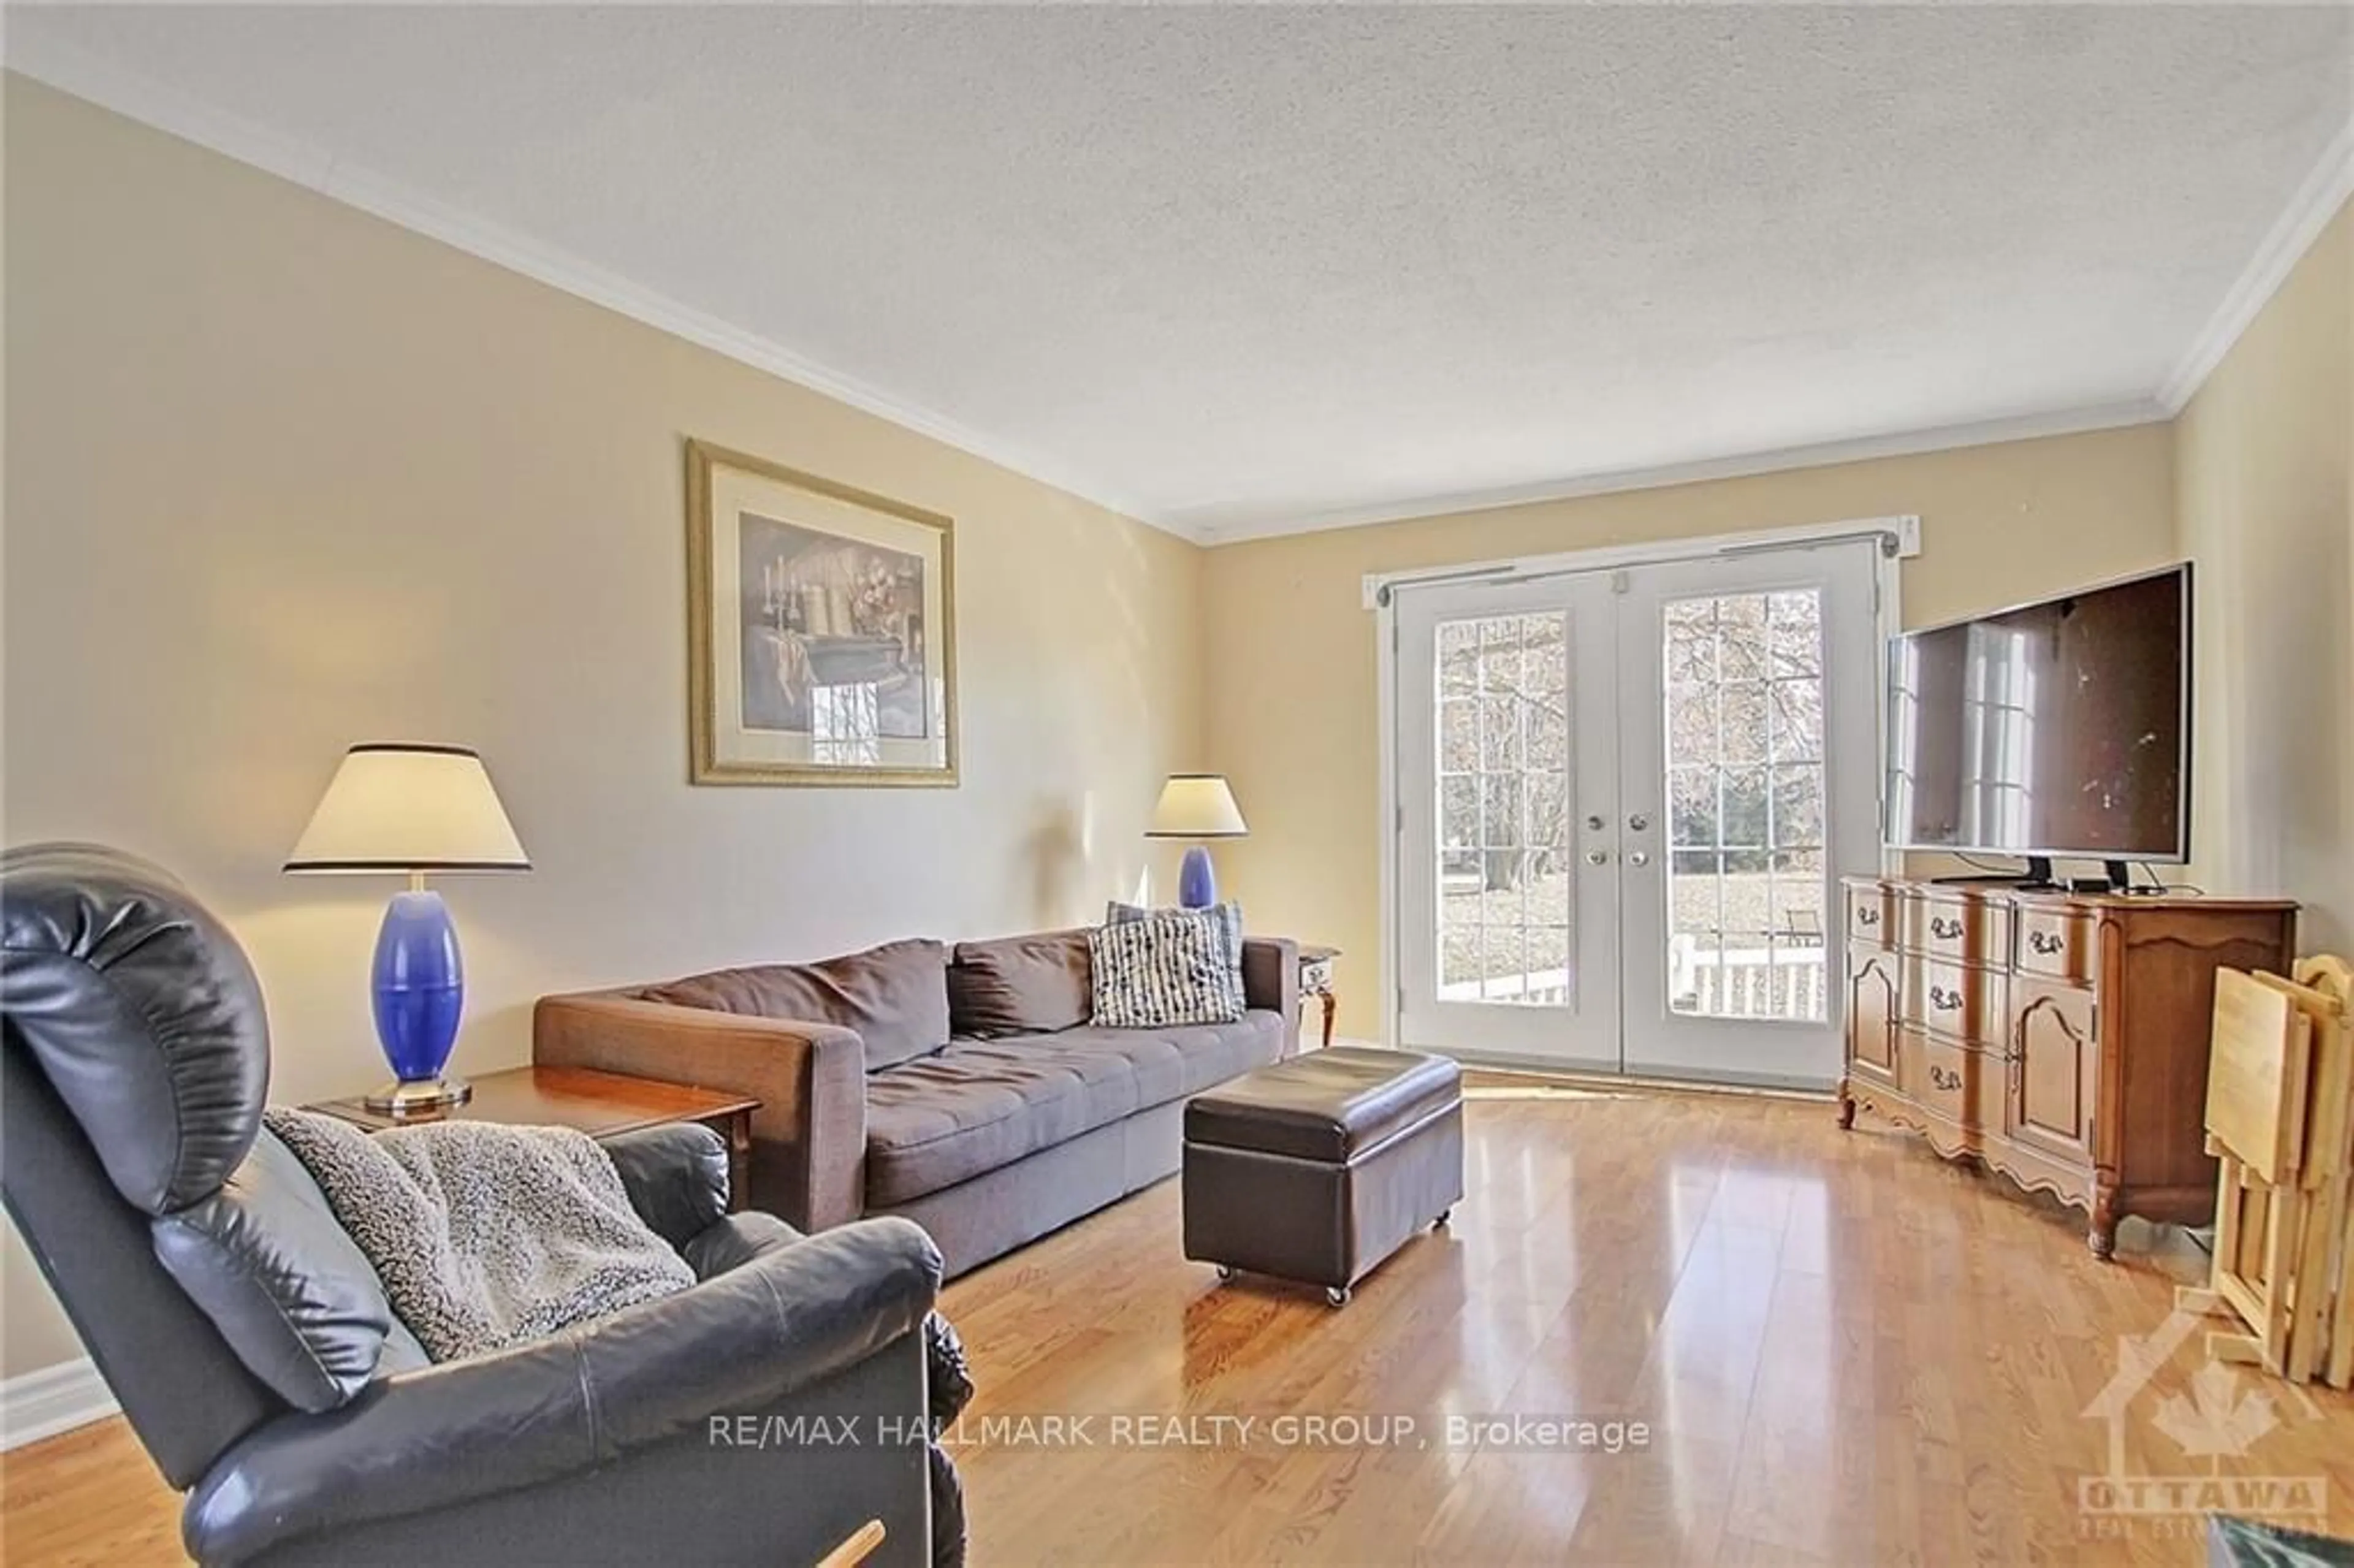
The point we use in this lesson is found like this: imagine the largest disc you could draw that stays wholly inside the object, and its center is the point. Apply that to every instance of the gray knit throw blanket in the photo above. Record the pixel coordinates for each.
(485, 1236)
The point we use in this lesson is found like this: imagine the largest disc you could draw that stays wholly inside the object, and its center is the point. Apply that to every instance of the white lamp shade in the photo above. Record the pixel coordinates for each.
(408, 809)
(1197, 806)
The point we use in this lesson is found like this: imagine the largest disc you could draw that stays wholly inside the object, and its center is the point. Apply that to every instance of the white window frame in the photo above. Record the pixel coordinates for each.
(1900, 537)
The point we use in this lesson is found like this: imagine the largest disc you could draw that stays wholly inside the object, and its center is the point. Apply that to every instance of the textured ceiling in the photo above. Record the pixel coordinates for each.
(1229, 268)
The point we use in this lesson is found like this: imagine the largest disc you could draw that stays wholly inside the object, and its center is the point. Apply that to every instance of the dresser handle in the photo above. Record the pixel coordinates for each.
(1948, 929)
(1944, 1001)
(2044, 942)
(1943, 1078)
(1867, 917)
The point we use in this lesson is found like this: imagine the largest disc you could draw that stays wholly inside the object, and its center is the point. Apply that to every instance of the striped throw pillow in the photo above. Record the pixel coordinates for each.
(1162, 970)
(1226, 914)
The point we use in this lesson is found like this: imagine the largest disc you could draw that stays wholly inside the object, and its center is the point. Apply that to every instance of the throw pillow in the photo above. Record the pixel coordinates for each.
(1032, 984)
(895, 996)
(1163, 971)
(1227, 915)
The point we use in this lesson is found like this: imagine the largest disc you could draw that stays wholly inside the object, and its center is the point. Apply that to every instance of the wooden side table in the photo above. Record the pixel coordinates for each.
(1316, 981)
(602, 1104)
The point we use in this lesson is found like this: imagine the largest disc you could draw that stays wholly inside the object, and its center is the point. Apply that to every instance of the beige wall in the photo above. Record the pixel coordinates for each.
(2264, 470)
(282, 477)
(1291, 647)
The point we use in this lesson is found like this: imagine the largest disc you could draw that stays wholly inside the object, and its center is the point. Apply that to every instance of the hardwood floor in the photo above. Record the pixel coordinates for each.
(1845, 1350)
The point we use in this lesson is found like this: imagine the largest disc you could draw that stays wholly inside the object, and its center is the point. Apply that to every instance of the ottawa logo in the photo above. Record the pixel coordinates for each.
(2222, 1414)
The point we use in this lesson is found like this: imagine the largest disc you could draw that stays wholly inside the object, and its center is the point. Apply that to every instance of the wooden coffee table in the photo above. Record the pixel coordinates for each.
(602, 1104)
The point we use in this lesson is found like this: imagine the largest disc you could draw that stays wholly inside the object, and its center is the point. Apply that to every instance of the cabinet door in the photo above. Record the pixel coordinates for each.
(2055, 1062)
(1872, 1015)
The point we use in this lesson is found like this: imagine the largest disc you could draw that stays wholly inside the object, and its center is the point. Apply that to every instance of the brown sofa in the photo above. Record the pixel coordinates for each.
(962, 1087)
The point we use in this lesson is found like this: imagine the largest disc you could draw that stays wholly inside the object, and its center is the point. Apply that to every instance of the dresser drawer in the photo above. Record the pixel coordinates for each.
(1872, 915)
(1958, 1000)
(1939, 1076)
(2056, 941)
(1973, 930)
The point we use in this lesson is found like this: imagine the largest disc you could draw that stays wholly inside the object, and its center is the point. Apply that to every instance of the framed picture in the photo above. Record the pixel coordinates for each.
(822, 624)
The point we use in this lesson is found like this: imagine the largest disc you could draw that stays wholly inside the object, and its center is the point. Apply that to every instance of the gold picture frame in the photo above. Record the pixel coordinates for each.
(821, 629)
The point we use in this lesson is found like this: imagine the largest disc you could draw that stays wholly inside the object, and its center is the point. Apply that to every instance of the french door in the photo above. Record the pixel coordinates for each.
(1625, 798)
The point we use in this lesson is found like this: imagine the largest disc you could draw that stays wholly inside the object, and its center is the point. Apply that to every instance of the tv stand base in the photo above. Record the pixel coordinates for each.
(2036, 878)
(2039, 877)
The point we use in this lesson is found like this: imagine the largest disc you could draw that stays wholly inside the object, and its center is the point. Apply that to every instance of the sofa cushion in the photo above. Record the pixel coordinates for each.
(895, 996)
(981, 1103)
(1032, 984)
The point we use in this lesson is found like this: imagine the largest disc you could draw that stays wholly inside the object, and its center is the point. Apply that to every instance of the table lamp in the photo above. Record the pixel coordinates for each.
(1197, 806)
(413, 810)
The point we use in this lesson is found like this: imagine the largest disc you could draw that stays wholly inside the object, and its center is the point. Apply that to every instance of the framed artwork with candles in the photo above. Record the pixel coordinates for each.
(822, 628)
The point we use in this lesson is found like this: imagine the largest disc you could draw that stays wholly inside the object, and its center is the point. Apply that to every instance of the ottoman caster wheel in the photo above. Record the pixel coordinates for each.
(1337, 1295)
(1225, 1272)
(1444, 1216)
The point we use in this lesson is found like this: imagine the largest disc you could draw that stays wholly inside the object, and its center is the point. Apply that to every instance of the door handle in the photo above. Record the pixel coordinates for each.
(1598, 857)
(1638, 857)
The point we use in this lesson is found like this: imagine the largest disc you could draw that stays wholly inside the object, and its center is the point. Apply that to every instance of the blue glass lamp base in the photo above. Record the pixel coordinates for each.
(1197, 885)
(419, 994)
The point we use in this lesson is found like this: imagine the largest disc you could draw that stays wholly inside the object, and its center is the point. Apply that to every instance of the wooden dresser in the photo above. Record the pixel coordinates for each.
(2059, 1038)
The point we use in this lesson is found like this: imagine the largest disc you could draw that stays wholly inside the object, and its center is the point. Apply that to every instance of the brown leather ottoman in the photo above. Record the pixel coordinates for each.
(1318, 1167)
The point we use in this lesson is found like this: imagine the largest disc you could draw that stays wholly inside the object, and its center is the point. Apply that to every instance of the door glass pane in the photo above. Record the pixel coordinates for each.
(1746, 884)
(1504, 808)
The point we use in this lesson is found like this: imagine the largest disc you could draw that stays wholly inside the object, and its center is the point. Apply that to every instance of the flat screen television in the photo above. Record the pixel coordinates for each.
(2059, 729)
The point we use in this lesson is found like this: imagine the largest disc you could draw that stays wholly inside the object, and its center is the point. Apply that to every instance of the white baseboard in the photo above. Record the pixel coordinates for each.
(56, 1399)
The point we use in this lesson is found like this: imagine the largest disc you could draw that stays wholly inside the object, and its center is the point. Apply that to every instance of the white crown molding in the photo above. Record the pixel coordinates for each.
(2308, 212)
(137, 96)
(1862, 448)
(37, 1404)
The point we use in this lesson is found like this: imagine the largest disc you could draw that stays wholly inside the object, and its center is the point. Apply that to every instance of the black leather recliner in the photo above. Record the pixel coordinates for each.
(266, 1374)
